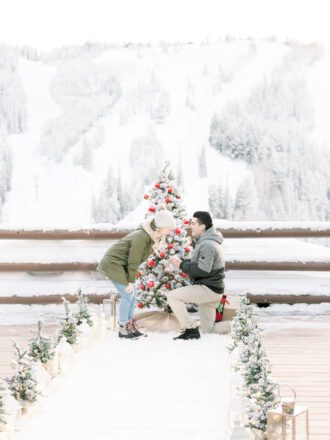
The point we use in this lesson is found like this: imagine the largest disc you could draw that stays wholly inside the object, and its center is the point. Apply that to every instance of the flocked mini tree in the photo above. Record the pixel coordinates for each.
(23, 384)
(68, 325)
(2, 403)
(41, 347)
(254, 366)
(83, 314)
(156, 276)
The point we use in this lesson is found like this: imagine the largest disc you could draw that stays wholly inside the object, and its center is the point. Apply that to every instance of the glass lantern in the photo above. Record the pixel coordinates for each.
(288, 421)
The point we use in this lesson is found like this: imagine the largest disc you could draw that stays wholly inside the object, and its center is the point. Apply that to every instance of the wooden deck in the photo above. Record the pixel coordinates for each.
(301, 358)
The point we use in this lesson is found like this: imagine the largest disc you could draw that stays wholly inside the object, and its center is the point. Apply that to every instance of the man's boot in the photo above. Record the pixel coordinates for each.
(189, 333)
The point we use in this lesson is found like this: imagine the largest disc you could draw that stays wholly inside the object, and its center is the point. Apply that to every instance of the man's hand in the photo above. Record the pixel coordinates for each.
(175, 261)
(129, 288)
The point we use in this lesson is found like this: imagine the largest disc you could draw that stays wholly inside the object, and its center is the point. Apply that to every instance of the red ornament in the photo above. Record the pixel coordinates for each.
(169, 189)
(157, 185)
(143, 287)
(186, 222)
(151, 263)
(178, 231)
(140, 305)
(151, 284)
(168, 285)
(162, 254)
(152, 209)
(146, 196)
(187, 249)
(168, 200)
(138, 275)
(184, 275)
(170, 246)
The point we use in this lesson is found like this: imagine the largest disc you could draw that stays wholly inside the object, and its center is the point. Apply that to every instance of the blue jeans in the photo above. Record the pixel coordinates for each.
(127, 303)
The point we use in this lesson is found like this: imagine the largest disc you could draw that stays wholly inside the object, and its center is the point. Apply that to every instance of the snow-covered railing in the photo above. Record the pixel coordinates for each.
(321, 265)
(228, 229)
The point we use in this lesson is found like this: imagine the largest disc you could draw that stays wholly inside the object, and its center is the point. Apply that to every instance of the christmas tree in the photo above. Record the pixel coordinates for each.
(2, 404)
(41, 347)
(68, 325)
(83, 312)
(156, 276)
(23, 384)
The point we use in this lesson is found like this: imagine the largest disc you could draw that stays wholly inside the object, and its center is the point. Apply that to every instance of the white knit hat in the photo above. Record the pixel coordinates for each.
(164, 219)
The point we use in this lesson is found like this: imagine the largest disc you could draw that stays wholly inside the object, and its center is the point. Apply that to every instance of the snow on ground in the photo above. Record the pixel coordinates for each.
(144, 389)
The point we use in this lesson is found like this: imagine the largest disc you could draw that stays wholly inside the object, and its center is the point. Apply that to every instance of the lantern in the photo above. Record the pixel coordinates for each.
(65, 352)
(113, 312)
(288, 421)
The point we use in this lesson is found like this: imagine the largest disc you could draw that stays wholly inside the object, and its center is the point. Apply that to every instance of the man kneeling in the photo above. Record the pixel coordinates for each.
(206, 270)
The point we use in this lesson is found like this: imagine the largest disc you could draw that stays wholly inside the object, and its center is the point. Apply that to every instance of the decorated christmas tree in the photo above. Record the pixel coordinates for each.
(23, 384)
(68, 325)
(2, 403)
(41, 347)
(156, 276)
(83, 314)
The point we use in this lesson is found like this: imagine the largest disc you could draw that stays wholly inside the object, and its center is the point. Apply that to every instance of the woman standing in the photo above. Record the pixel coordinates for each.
(121, 261)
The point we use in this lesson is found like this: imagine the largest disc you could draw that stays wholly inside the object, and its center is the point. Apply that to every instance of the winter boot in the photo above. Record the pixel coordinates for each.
(189, 333)
(126, 332)
(134, 328)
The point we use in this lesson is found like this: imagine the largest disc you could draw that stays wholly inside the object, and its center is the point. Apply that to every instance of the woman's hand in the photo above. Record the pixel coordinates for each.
(129, 288)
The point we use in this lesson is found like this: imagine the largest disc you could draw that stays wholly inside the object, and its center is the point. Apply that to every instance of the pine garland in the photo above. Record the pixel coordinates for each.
(83, 312)
(23, 384)
(41, 347)
(254, 366)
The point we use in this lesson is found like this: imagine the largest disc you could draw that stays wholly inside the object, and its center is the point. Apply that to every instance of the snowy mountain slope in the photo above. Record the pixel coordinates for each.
(168, 97)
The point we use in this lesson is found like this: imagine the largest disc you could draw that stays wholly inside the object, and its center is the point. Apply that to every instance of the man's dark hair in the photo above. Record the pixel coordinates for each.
(204, 218)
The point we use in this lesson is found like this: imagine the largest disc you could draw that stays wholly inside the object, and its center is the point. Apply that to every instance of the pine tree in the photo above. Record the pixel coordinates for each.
(156, 276)
(202, 163)
(23, 384)
(68, 325)
(41, 347)
(83, 312)
(2, 403)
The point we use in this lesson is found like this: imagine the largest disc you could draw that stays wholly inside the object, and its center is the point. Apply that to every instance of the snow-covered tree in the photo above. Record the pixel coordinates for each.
(246, 203)
(202, 163)
(106, 208)
(68, 325)
(23, 384)
(220, 201)
(160, 107)
(155, 276)
(83, 314)
(41, 347)
(5, 165)
(12, 96)
(2, 403)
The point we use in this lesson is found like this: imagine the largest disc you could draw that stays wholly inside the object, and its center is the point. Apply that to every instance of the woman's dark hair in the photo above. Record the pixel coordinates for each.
(204, 218)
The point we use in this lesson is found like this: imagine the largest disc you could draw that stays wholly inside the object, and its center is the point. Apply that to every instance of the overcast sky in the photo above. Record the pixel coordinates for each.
(46, 24)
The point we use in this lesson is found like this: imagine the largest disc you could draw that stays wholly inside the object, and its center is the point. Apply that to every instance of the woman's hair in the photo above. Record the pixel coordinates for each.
(204, 218)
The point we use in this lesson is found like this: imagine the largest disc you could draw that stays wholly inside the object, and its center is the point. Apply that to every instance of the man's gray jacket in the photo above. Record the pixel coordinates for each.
(207, 265)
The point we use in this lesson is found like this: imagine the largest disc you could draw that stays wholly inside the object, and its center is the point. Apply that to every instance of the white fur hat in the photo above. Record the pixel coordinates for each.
(164, 219)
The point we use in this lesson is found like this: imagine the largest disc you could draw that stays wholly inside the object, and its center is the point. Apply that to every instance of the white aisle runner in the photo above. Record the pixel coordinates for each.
(146, 389)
